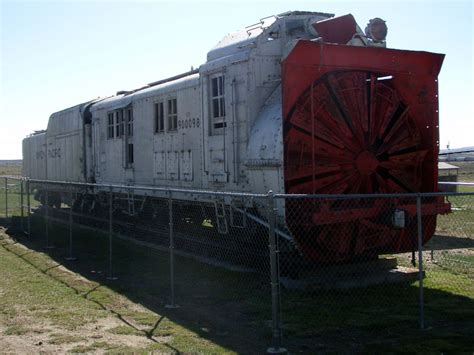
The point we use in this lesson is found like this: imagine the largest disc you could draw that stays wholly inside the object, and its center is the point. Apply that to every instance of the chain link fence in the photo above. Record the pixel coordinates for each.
(307, 273)
(11, 197)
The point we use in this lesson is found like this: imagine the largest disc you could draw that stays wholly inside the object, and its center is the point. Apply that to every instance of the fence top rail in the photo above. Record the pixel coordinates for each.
(148, 188)
(461, 183)
(368, 196)
(245, 194)
(13, 177)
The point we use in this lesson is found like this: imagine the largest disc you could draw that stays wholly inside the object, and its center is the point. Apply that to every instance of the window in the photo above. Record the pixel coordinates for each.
(129, 122)
(172, 115)
(159, 117)
(129, 154)
(118, 123)
(296, 28)
(110, 126)
(217, 103)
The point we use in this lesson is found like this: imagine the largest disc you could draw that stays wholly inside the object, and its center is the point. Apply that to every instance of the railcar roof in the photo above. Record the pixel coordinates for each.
(72, 108)
(235, 41)
(123, 100)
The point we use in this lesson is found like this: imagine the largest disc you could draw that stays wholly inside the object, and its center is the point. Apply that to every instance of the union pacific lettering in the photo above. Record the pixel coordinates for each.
(54, 153)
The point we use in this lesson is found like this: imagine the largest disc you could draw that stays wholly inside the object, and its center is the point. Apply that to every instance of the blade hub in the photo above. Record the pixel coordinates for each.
(366, 163)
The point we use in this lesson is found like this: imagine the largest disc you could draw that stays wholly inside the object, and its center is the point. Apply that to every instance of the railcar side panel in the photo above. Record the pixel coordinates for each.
(65, 148)
(34, 156)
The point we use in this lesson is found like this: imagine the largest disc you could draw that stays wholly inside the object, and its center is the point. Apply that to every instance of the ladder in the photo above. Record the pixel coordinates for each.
(131, 202)
(221, 219)
(238, 214)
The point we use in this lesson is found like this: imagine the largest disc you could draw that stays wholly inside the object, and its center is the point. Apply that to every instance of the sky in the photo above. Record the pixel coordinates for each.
(56, 54)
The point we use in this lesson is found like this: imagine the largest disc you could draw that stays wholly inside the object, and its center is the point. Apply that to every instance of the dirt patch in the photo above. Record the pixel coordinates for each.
(27, 336)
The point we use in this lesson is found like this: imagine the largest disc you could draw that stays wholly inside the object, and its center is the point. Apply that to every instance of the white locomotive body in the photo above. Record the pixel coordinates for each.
(302, 102)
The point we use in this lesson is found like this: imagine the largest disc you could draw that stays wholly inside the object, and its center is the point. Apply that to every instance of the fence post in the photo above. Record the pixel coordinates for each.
(6, 198)
(275, 280)
(171, 249)
(46, 203)
(21, 206)
(28, 206)
(70, 257)
(420, 260)
(111, 212)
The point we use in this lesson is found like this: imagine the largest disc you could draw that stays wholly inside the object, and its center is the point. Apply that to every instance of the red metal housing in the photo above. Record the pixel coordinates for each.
(359, 120)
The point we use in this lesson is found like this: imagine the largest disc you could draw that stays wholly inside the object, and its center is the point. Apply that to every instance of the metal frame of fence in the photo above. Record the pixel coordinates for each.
(23, 187)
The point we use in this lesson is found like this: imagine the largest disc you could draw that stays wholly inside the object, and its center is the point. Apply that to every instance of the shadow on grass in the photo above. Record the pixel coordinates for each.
(233, 309)
(444, 242)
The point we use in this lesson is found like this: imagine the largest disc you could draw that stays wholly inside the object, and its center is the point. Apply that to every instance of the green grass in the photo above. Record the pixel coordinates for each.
(98, 345)
(59, 339)
(460, 222)
(39, 295)
(15, 330)
(12, 201)
(466, 171)
(126, 330)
